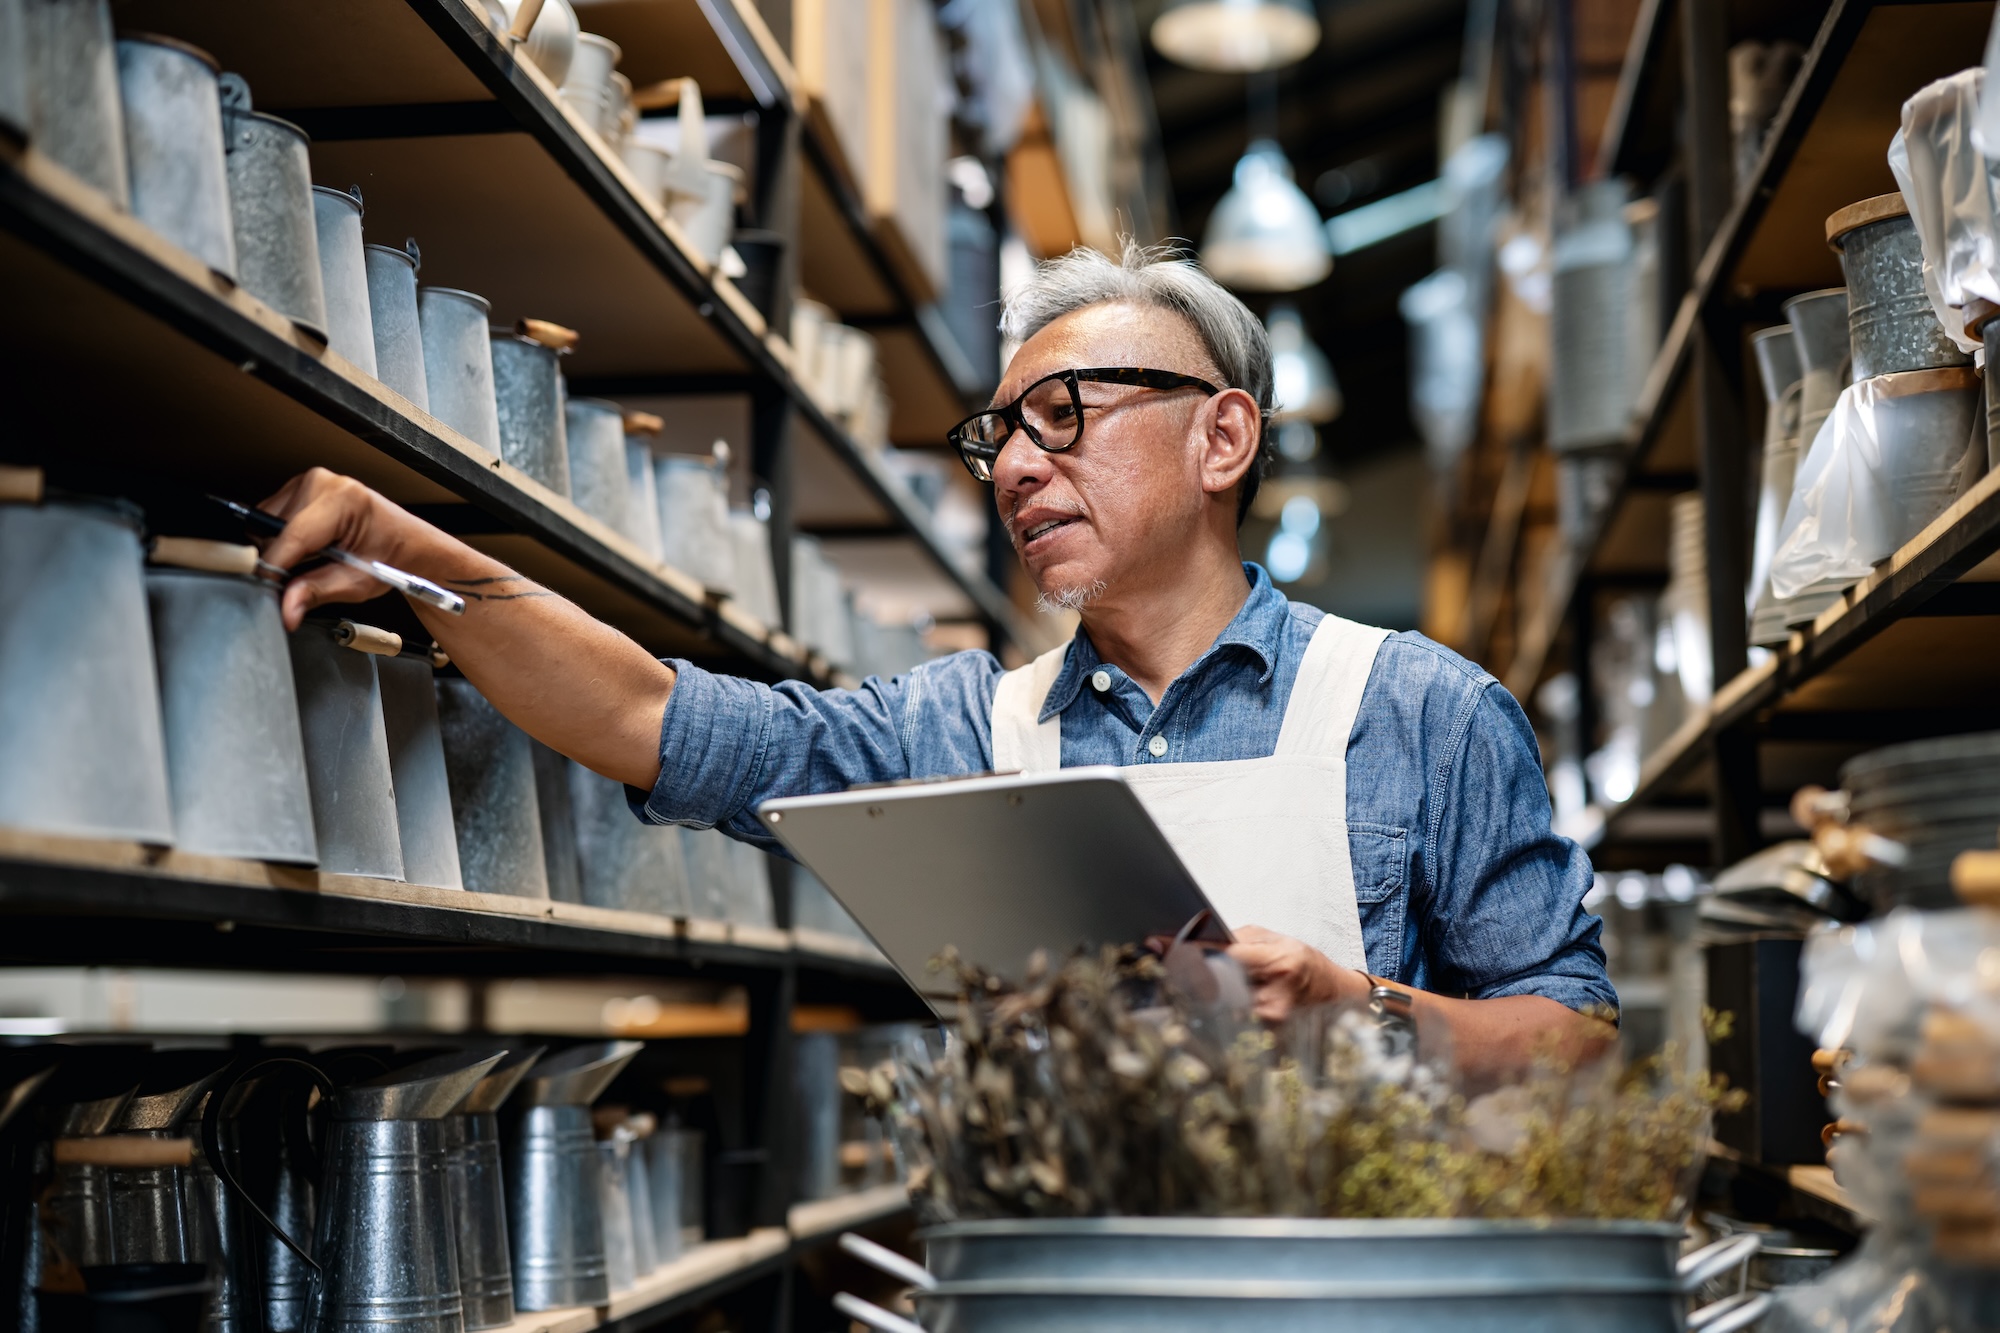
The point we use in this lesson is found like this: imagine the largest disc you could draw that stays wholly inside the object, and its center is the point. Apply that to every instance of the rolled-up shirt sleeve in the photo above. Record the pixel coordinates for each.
(1509, 916)
(727, 744)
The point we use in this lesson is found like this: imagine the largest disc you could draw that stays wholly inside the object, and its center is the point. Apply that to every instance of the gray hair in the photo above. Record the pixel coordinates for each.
(1158, 277)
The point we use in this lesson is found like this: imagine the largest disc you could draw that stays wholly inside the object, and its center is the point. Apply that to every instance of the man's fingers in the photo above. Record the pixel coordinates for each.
(329, 583)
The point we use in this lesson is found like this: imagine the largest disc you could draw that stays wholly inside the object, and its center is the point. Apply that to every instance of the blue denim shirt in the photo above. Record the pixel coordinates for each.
(1463, 887)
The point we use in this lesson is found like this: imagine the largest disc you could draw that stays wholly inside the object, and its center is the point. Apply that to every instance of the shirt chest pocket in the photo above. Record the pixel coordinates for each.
(1380, 855)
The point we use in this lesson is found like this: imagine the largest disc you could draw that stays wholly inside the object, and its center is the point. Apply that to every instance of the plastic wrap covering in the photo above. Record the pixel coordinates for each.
(1893, 455)
(1949, 187)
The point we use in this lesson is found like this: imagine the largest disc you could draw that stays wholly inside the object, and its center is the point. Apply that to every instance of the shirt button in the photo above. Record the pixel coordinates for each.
(1100, 681)
(1157, 746)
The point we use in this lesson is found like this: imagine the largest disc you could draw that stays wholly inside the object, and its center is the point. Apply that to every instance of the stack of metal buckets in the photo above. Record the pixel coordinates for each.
(309, 1193)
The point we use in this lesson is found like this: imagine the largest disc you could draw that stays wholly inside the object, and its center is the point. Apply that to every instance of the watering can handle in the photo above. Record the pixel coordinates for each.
(693, 123)
(1716, 1259)
(218, 1161)
(886, 1259)
(1731, 1313)
(874, 1315)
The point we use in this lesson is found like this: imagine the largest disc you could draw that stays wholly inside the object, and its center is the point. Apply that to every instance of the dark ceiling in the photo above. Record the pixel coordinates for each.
(1359, 120)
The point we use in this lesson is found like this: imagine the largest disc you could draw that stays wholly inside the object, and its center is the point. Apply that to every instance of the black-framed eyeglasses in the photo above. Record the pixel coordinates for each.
(1050, 412)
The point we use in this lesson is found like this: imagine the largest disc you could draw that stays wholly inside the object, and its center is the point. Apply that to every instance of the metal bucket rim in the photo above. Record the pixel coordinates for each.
(1819, 294)
(597, 405)
(241, 113)
(346, 197)
(1304, 1228)
(154, 571)
(458, 293)
(1270, 1289)
(400, 253)
(172, 44)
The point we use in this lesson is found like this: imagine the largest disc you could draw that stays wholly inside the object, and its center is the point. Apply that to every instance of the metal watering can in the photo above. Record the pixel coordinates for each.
(479, 1195)
(554, 1215)
(384, 1251)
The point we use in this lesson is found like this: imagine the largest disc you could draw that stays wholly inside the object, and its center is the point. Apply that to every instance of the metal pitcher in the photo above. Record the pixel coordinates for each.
(596, 431)
(493, 803)
(428, 836)
(82, 752)
(347, 755)
(614, 1202)
(235, 759)
(663, 1178)
(1891, 324)
(155, 1212)
(1819, 328)
(343, 275)
(528, 389)
(271, 209)
(385, 1246)
(479, 1194)
(254, 1124)
(173, 145)
(554, 1218)
(72, 76)
(392, 313)
(623, 862)
(639, 1192)
(458, 363)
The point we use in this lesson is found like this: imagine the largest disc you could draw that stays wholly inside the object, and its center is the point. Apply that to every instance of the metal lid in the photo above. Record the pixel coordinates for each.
(1867, 211)
(579, 1076)
(427, 1090)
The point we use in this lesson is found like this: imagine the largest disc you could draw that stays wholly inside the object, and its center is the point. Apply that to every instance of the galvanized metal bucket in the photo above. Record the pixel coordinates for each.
(236, 761)
(392, 313)
(1891, 324)
(756, 576)
(595, 428)
(173, 146)
(424, 823)
(493, 802)
(623, 862)
(271, 209)
(82, 751)
(73, 105)
(554, 1213)
(1819, 327)
(343, 275)
(642, 509)
(1275, 1273)
(458, 364)
(694, 519)
(1924, 421)
(347, 755)
(528, 391)
(1590, 382)
(479, 1194)
(559, 855)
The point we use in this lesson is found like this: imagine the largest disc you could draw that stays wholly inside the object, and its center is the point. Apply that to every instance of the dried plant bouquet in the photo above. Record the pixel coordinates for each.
(1098, 1088)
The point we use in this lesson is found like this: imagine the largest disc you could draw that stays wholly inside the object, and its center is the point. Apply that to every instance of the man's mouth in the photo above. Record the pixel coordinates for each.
(1032, 533)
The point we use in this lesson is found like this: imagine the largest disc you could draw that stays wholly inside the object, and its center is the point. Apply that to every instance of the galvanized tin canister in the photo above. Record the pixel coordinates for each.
(392, 313)
(347, 755)
(597, 481)
(343, 275)
(271, 210)
(173, 146)
(1891, 324)
(554, 1210)
(424, 822)
(622, 862)
(528, 393)
(493, 801)
(82, 749)
(642, 506)
(458, 364)
(74, 116)
(236, 761)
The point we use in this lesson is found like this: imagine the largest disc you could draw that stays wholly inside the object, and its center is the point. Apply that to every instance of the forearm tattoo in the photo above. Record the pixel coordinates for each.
(499, 588)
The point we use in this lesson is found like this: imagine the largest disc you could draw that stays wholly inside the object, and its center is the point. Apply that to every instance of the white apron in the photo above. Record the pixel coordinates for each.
(1265, 838)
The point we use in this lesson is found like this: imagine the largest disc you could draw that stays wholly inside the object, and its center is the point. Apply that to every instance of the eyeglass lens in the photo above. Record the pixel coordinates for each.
(1049, 410)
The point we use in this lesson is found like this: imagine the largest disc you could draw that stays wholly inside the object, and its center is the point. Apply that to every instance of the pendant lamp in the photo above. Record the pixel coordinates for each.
(1265, 235)
(1302, 384)
(1236, 36)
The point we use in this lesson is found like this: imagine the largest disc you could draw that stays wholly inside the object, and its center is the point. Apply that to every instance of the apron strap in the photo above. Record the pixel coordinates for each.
(1326, 697)
(1022, 742)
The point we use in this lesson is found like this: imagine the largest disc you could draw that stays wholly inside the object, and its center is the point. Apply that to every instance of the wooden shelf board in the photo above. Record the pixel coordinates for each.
(924, 401)
(835, 264)
(826, 1217)
(699, 1268)
(724, 45)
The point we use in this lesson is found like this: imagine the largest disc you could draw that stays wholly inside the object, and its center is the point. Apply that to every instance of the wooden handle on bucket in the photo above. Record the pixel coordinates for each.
(137, 1150)
(548, 334)
(367, 639)
(210, 557)
(524, 19)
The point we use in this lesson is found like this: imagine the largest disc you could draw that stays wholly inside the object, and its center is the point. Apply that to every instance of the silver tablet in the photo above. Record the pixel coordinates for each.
(998, 866)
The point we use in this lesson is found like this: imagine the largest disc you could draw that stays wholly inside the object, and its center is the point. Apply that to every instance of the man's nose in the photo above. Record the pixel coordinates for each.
(1020, 466)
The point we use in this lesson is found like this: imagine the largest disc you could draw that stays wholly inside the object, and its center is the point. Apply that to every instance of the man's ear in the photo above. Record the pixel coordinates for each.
(1233, 428)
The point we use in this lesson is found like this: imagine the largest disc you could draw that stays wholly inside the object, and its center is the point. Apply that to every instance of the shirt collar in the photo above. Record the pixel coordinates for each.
(1258, 628)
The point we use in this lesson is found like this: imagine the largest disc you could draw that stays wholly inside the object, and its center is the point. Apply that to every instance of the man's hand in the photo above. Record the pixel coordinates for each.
(322, 509)
(1287, 974)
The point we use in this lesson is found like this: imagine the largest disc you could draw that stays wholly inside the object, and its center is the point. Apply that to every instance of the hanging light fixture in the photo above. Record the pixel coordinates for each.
(1265, 235)
(1236, 36)
(1302, 384)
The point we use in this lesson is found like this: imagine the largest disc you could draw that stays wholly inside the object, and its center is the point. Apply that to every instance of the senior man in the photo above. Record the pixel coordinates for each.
(1362, 805)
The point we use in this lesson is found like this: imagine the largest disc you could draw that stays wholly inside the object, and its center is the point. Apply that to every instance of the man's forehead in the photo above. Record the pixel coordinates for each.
(1116, 333)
